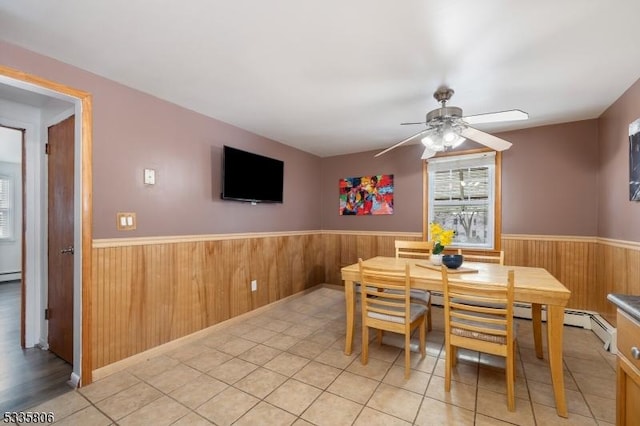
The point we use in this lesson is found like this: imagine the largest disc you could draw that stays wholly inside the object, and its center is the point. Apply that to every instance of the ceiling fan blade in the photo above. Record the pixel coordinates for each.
(410, 124)
(427, 154)
(400, 143)
(485, 139)
(492, 117)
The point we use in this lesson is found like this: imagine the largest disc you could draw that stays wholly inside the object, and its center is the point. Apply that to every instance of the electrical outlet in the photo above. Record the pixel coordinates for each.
(254, 285)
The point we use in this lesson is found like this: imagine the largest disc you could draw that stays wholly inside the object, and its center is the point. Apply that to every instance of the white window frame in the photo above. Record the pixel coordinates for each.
(492, 160)
(8, 209)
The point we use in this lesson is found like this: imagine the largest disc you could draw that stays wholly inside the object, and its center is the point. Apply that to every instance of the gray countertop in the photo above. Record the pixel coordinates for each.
(628, 304)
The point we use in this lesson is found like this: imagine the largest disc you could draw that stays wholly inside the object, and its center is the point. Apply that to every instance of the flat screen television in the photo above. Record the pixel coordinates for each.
(251, 177)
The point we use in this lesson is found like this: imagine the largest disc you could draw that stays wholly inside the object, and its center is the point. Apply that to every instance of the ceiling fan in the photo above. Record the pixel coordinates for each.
(446, 128)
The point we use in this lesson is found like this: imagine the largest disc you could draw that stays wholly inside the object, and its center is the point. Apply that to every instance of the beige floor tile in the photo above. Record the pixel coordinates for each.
(371, 417)
(317, 374)
(417, 381)
(287, 364)
(174, 378)
(463, 372)
(227, 407)
(260, 354)
(354, 387)
(63, 405)
(375, 368)
(542, 393)
(239, 328)
(207, 360)
(216, 339)
(294, 396)
(417, 362)
(494, 404)
(299, 331)
(496, 381)
(188, 351)
(232, 370)
(599, 386)
(236, 346)
(281, 341)
(152, 367)
(597, 367)
(259, 335)
(162, 411)
(261, 382)
(385, 352)
(396, 402)
(307, 349)
(128, 401)
(335, 358)
(192, 419)
(198, 391)
(87, 416)
(547, 416)
(324, 337)
(434, 412)
(266, 414)
(482, 420)
(274, 324)
(332, 410)
(603, 408)
(461, 394)
(110, 385)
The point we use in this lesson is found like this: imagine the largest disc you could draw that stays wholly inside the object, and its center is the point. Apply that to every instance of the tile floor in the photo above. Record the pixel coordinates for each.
(286, 366)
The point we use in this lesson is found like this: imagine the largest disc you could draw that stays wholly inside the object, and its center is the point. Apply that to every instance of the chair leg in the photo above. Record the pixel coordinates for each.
(429, 315)
(511, 379)
(454, 356)
(423, 339)
(407, 355)
(379, 337)
(364, 356)
(447, 367)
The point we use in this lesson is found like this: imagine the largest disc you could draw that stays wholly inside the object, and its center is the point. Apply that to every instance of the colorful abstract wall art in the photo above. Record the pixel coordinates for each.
(366, 195)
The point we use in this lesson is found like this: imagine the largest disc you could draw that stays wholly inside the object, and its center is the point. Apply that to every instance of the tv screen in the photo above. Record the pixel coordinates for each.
(251, 177)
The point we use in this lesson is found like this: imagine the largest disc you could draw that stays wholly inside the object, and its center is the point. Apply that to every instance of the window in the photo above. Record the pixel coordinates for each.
(461, 193)
(6, 208)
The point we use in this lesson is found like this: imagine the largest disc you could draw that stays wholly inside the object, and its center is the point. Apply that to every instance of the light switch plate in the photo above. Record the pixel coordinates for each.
(149, 177)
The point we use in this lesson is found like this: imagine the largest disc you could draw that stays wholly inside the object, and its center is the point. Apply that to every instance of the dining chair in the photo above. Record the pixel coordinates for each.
(386, 306)
(479, 317)
(417, 250)
(496, 256)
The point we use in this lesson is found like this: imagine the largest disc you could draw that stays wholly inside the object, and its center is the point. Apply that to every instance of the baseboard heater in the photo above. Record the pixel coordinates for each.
(577, 318)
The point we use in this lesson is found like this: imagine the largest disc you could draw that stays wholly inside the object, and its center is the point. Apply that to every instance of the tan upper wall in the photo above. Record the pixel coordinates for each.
(618, 218)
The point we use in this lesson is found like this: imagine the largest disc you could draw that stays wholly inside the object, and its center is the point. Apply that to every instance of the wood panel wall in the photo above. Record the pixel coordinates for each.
(145, 295)
(149, 292)
(588, 266)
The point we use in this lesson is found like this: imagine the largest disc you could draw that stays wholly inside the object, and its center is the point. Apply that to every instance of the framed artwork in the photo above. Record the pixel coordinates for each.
(634, 161)
(366, 195)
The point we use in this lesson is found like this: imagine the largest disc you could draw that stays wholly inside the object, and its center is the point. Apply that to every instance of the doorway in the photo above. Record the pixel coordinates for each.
(17, 86)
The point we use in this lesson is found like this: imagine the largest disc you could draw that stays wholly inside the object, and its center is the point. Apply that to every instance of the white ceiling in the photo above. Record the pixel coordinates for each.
(338, 76)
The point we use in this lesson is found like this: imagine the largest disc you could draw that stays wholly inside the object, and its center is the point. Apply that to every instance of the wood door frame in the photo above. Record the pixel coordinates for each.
(86, 124)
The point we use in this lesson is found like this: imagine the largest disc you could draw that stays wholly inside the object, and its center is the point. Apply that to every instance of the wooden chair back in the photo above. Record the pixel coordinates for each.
(386, 306)
(413, 249)
(479, 317)
(495, 256)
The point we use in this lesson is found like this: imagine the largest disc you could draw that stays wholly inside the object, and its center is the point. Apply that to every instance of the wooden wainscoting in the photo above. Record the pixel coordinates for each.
(588, 266)
(147, 292)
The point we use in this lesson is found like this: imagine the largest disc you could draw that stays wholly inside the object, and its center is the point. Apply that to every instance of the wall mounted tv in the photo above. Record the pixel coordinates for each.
(251, 177)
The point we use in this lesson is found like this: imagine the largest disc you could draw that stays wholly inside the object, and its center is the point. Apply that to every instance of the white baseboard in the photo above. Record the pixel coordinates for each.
(74, 380)
(574, 317)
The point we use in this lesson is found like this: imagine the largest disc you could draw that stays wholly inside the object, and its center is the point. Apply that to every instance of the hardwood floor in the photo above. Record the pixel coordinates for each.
(27, 376)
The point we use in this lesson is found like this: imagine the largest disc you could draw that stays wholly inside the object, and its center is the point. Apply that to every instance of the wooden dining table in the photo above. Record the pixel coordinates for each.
(535, 286)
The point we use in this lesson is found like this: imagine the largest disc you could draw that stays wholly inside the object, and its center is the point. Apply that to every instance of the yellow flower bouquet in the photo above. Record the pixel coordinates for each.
(441, 237)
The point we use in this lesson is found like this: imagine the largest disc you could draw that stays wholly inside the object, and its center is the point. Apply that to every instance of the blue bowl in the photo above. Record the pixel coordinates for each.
(452, 261)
